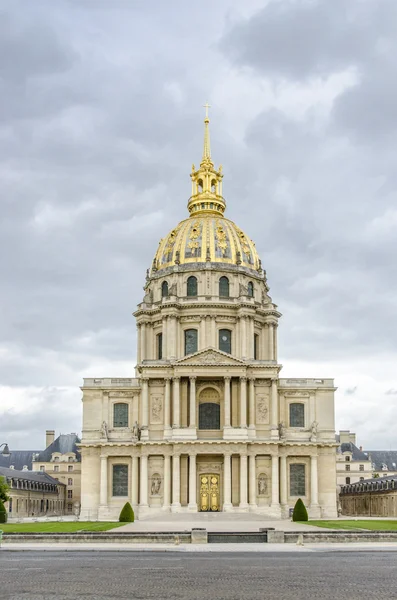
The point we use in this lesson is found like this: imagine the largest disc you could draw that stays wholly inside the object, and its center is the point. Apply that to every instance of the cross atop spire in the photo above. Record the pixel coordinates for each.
(206, 106)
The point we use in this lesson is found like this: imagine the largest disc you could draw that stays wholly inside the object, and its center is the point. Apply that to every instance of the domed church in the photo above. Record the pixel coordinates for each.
(207, 424)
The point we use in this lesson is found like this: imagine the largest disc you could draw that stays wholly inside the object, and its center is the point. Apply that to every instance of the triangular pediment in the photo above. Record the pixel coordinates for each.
(210, 356)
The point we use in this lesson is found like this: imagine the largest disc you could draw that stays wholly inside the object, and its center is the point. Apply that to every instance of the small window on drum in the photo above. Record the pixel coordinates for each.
(120, 414)
(164, 289)
(256, 346)
(192, 286)
(159, 338)
(225, 340)
(224, 287)
(250, 289)
(190, 341)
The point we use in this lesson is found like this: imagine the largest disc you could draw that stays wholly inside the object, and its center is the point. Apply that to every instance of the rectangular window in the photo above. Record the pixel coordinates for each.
(256, 346)
(70, 481)
(56, 468)
(190, 341)
(296, 414)
(120, 414)
(120, 480)
(347, 467)
(361, 467)
(70, 494)
(361, 478)
(347, 480)
(225, 340)
(42, 468)
(347, 458)
(159, 346)
(297, 480)
(70, 459)
(70, 468)
(70, 507)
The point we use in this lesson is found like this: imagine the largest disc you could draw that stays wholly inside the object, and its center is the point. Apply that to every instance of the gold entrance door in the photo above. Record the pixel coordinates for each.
(209, 493)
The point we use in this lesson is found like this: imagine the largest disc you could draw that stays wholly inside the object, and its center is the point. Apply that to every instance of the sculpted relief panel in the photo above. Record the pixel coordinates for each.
(262, 409)
(156, 410)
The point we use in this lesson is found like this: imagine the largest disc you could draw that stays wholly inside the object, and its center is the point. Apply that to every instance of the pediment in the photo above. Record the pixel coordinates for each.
(210, 357)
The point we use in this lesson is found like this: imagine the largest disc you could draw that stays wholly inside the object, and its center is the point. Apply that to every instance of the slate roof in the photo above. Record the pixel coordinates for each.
(64, 443)
(386, 457)
(357, 454)
(18, 459)
(38, 476)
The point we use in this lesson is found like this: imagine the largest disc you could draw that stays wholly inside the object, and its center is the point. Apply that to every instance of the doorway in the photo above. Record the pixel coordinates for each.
(209, 493)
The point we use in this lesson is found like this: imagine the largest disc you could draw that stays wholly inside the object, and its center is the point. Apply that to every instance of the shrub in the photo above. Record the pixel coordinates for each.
(300, 512)
(127, 514)
(3, 513)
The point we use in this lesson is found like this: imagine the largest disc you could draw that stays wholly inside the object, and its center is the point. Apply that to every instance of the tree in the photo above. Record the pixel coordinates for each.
(127, 514)
(3, 513)
(300, 512)
(3, 490)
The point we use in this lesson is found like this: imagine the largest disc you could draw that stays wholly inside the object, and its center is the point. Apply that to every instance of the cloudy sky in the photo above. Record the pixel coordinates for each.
(100, 119)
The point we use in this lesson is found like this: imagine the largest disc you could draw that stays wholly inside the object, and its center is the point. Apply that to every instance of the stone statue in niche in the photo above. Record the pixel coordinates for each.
(136, 431)
(156, 484)
(262, 484)
(104, 431)
(313, 429)
(172, 290)
(281, 430)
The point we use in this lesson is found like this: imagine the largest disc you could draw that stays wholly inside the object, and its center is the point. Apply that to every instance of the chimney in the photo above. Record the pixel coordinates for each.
(49, 437)
(352, 437)
(361, 448)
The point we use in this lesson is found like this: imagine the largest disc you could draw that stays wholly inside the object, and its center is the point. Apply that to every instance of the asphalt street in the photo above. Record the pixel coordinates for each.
(37, 575)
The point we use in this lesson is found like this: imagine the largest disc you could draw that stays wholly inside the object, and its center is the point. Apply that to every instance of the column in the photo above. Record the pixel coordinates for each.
(251, 406)
(202, 337)
(134, 481)
(243, 481)
(252, 480)
(251, 329)
(226, 416)
(275, 481)
(143, 341)
(144, 481)
(103, 495)
(176, 421)
(271, 342)
(274, 409)
(167, 481)
(167, 405)
(165, 337)
(237, 336)
(275, 342)
(265, 345)
(192, 483)
(243, 338)
(243, 402)
(192, 409)
(176, 483)
(314, 481)
(145, 409)
(283, 480)
(139, 353)
(214, 342)
(208, 331)
(227, 482)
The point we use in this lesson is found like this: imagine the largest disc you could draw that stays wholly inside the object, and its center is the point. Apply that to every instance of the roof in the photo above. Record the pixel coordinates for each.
(18, 459)
(64, 443)
(383, 457)
(38, 476)
(356, 453)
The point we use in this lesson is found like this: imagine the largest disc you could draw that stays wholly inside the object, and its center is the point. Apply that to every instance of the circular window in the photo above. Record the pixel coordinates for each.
(224, 338)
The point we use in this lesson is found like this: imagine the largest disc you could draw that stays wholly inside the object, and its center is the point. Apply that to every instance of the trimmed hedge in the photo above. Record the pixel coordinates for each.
(300, 512)
(3, 513)
(127, 514)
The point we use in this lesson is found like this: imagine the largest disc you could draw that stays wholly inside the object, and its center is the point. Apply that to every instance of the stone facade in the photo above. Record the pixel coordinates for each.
(352, 464)
(375, 497)
(207, 423)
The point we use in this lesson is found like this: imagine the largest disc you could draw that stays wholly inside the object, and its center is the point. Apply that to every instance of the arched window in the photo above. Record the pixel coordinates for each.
(213, 186)
(159, 340)
(224, 287)
(250, 289)
(190, 341)
(225, 340)
(200, 186)
(120, 414)
(192, 286)
(297, 480)
(120, 480)
(296, 414)
(164, 289)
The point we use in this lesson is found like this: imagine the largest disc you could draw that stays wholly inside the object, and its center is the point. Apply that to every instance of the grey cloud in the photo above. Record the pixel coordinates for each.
(306, 38)
(391, 392)
(351, 391)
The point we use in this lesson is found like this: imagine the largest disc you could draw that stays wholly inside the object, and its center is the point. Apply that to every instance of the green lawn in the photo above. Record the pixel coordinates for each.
(359, 524)
(57, 527)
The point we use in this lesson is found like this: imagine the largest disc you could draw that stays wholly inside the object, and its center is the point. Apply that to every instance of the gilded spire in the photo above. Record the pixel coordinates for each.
(207, 144)
(206, 180)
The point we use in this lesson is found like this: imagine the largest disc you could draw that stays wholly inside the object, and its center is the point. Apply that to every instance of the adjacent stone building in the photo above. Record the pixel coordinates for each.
(207, 424)
(376, 497)
(352, 464)
(62, 460)
(33, 494)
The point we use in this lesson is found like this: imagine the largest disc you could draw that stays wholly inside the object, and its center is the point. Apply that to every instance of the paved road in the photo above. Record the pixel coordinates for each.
(136, 576)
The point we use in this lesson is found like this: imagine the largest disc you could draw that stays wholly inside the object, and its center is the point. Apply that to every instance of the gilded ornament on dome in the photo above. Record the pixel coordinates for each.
(169, 247)
(193, 246)
(221, 241)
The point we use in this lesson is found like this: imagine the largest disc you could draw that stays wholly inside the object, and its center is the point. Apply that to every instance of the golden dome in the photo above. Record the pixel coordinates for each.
(206, 238)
